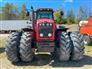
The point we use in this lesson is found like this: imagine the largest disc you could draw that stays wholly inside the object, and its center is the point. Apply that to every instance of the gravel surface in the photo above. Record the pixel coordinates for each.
(45, 62)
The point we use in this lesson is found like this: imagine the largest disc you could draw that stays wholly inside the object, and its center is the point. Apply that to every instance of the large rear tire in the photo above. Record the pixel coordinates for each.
(11, 48)
(26, 53)
(64, 48)
(77, 46)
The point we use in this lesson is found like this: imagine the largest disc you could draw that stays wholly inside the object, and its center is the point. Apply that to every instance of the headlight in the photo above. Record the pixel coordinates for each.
(49, 34)
(47, 24)
(41, 34)
(43, 24)
(83, 23)
(50, 24)
(40, 24)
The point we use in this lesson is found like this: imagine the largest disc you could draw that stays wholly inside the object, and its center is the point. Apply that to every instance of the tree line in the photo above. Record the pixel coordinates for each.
(11, 12)
(82, 14)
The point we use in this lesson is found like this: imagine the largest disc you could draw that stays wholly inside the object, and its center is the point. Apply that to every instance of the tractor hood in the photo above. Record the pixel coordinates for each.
(45, 20)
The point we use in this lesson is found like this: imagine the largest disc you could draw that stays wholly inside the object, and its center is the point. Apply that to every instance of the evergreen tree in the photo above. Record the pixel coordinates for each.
(8, 12)
(22, 14)
(58, 16)
(70, 17)
(90, 14)
(82, 14)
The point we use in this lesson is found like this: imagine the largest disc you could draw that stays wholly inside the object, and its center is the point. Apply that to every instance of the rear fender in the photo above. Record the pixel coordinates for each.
(61, 28)
(27, 29)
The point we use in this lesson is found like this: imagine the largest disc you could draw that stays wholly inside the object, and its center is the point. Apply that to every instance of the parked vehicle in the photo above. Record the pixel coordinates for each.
(86, 29)
(44, 35)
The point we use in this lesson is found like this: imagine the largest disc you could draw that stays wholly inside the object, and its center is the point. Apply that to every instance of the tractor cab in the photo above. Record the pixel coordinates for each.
(44, 25)
(46, 13)
(41, 13)
(43, 22)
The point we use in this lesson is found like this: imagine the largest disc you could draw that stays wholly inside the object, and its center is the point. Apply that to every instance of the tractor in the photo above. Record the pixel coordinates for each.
(85, 28)
(43, 34)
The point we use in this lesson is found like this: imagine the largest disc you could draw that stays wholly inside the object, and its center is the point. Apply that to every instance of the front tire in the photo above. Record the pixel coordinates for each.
(64, 48)
(26, 53)
(11, 48)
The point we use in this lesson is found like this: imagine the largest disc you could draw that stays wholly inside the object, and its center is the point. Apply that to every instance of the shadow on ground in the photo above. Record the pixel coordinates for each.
(2, 50)
(86, 61)
(41, 60)
(90, 44)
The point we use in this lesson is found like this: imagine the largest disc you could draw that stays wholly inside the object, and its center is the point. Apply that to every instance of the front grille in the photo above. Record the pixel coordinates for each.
(45, 29)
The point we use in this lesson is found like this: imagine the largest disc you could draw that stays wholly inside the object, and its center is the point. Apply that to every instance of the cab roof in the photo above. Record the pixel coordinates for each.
(44, 9)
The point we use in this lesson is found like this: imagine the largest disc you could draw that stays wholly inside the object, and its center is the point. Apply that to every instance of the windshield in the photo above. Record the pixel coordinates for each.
(43, 14)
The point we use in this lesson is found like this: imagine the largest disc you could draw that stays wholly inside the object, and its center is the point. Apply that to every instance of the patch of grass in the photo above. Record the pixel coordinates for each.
(88, 50)
(90, 46)
(3, 38)
(2, 45)
(2, 42)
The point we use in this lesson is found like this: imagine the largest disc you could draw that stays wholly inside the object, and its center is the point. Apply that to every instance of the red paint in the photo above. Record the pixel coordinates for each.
(87, 28)
(40, 21)
(90, 20)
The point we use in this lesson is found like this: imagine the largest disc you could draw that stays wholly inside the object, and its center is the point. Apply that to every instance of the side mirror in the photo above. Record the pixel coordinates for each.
(27, 14)
(32, 7)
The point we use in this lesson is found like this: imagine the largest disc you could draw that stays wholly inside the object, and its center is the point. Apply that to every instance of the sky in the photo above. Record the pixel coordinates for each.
(55, 4)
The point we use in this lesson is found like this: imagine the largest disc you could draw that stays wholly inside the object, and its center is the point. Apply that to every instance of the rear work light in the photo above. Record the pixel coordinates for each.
(81, 23)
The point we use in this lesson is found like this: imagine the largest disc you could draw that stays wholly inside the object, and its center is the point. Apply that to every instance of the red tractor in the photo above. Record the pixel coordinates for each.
(44, 35)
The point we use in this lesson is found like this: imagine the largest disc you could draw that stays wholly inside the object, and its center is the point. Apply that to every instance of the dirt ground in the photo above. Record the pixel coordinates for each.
(44, 61)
